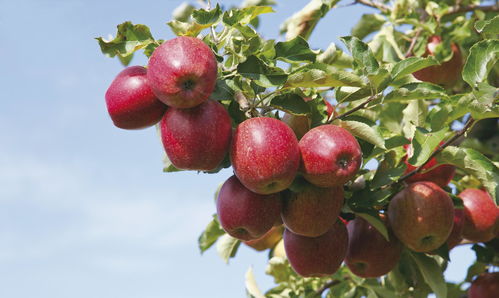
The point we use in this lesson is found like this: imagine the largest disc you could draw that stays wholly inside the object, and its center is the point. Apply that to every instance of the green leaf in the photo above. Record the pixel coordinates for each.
(368, 23)
(432, 273)
(211, 233)
(245, 15)
(322, 75)
(129, 38)
(424, 144)
(264, 75)
(168, 166)
(291, 103)
(278, 268)
(484, 254)
(416, 91)
(362, 54)
(252, 289)
(475, 269)
(227, 247)
(376, 222)
(473, 163)
(186, 29)
(490, 26)
(410, 65)
(183, 12)
(347, 94)
(388, 171)
(207, 17)
(364, 132)
(295, 50)
(414, 115)
(482, 57)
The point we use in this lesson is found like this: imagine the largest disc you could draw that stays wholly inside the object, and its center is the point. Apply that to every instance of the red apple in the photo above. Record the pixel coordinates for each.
(131, 102)
(319, 256)
(481, 215)
(446, 73)
(268, 240)
(246, 215)
(265, 155)
(421, 216)
(438, 173)
(331, 156)
(182, 72)
(486, 285)
(313, 211)
(456, 235)
(197, 138)
(369, 254)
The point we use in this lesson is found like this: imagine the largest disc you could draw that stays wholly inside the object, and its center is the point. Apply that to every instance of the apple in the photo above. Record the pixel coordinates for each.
(319, 256)
(421, 216)
(312, 211)
(486, 285)
(481, 215)
(265, 155)
(197, 138)
(182, 72)
(246, 215)
(331, 156)
(268, 240)
(456, 235)
(131, 102)
(440, 174)
(446, 73)
(369, 254)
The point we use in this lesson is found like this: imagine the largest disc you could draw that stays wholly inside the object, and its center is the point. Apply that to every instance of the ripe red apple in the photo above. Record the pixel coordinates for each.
(197, 138)
(486, 285)
(446, 73)
(182, 72)
(246, 215)
(265, 155)
(313, 211)
(369, 254)
(319, 256)
(421, 216)
(481, 215)
(456, 235)
(131, 102)
(440, 174)
(330, 156)
(268, 240)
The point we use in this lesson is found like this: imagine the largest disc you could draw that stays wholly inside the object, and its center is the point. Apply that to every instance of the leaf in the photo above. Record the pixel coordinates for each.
(424, 144)
(168, 166)
(490, 26)
(211, 233)
(410, 65)
(295, 50)
(364, 132)
(473, 163)
(481, 59)
(278, 268)
(362, 54)
(347, 94)
(484, 254)
(432, 273)
(264, 75)
(387, 171)
(416, 91)
(291, 103)
(227, 247)
(322, 75)
(129, 38)
(207, 17)
(245, 15)
(368, 23)
(414, 115)
(252, 289)
(186, 29)
(376, 222)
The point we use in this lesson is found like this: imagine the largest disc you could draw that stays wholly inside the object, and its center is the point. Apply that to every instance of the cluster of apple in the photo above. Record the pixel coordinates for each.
(261, 202)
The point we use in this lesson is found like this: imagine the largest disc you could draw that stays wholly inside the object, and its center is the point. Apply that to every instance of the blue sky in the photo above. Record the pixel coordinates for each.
(85, 210)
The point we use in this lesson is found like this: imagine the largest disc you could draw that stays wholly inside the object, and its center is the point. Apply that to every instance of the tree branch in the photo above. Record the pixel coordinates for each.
(437, 151)
(382, 7)
(361, 106)
(413, 43)
(326, 286)
(468, 8)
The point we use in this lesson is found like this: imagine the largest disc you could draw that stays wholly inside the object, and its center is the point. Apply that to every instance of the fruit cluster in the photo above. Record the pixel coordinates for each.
(289, 179)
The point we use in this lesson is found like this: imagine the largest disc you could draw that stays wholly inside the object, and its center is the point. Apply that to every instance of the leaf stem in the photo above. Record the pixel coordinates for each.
(382, 7)
(353, 110)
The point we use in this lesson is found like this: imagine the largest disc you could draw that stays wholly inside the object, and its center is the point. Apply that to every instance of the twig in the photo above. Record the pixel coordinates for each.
(468, 8)
(382, 7)
(326, 286)
(437, 151)
(413, 43)
(361, 106)
(245, 105)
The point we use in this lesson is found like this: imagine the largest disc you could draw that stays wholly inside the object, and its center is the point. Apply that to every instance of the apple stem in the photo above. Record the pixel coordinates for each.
(361, 106)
